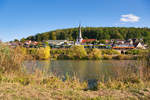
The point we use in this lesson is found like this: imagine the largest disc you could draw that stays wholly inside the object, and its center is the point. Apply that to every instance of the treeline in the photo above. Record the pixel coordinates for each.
(98, 33)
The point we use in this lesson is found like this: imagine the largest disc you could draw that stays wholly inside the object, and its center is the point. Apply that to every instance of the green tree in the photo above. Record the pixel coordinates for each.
(53, 36)
(22, 40)
(16, 40)
(98, 33)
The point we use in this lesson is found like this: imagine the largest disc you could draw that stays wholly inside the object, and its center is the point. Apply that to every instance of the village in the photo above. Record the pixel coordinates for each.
(117, 44)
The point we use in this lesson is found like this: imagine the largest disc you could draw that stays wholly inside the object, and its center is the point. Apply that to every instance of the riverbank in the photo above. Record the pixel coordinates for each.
(80, 53)
(52, 88)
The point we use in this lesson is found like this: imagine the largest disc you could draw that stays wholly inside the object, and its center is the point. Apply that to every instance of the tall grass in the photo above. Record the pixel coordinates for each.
(10, 58)
(144, 65)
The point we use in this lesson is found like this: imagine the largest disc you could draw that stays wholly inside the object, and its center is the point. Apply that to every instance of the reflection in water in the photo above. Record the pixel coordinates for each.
(82, 69)
(32, 66)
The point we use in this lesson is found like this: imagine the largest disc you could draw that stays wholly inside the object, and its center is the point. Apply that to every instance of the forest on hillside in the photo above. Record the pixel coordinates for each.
(98, 33)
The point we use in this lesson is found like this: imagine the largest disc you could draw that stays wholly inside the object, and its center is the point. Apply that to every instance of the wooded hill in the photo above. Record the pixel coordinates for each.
(98, 33)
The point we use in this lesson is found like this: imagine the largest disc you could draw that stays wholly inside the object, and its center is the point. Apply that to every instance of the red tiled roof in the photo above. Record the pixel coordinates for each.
(88, 40)
(123, 47)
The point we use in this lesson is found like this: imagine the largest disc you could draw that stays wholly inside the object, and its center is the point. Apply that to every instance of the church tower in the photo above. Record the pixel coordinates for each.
(79, 37)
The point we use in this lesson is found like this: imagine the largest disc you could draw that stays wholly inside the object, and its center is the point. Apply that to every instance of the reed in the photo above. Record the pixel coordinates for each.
(10, 58)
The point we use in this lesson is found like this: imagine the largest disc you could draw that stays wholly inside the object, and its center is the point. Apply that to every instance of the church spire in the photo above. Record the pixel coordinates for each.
(80, 33)
(79, 37)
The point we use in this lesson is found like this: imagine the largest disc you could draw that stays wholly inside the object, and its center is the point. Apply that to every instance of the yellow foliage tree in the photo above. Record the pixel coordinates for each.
(43, 53)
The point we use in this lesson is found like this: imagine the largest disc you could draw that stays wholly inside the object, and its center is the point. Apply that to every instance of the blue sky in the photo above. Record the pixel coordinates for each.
(22, 18)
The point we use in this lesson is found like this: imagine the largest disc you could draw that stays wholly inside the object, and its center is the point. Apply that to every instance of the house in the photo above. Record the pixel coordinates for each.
(87, 40)
(130, 41)
(56, 42)
(30, 44)
(123, 46)
(139, 45)
(120, 41)
(60, 43)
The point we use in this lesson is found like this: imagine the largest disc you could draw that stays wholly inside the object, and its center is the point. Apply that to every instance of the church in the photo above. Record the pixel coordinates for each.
(80, 40)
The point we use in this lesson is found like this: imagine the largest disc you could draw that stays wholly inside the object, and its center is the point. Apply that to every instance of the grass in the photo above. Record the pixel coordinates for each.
(39, 87)
(129, 83)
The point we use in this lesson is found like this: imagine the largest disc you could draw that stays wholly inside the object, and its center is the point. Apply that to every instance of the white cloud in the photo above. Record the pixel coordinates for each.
(129, 18)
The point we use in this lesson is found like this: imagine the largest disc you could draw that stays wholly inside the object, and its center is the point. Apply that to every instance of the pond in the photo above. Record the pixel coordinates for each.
(82, 69)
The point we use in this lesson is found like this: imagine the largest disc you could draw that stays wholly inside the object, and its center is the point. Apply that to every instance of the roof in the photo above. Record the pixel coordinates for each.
(56, 41)
(123, 46)
(88, 40)
(137, 43)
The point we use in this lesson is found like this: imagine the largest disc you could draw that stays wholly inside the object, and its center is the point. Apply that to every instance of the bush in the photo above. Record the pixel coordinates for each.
(40, 53)
(58, 53)
(133, 52)
(110, 52)
(107, 57)
(123, 57)
(95, 54)
(77, 52)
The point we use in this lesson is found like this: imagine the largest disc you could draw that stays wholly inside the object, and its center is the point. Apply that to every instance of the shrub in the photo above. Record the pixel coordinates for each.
(123, 57)
(110, 52)
(77, 52)
(133, 52)
(40, 53)
(95, 54)
(58, 53)
(107, 57)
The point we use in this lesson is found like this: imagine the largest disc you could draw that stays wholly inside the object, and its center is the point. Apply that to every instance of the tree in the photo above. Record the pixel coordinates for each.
(22, 40)
(16, 40)
(53, 36)
(45, 36)
(102, 41)
(38, 37)
(98, 33)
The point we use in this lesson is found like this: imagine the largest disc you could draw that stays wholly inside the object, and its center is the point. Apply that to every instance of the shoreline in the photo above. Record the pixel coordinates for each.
(39, 87)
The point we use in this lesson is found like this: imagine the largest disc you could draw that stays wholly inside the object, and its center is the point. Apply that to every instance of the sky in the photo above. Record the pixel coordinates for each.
(22, 18)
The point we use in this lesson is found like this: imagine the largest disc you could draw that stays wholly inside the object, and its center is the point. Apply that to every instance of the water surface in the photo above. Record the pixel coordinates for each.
(82, 69)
